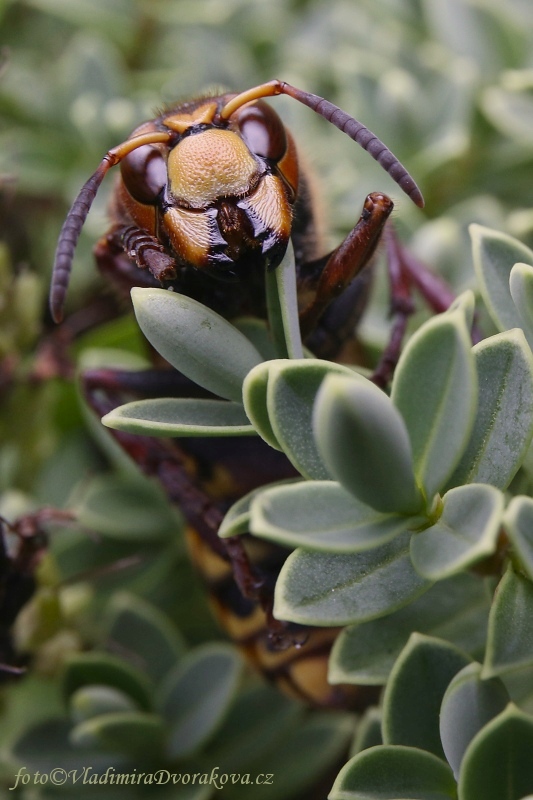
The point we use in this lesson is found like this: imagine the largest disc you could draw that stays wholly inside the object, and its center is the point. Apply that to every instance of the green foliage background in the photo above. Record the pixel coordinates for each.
(447, 84)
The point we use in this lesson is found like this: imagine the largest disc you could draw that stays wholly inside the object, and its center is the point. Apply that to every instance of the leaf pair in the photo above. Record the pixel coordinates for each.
(447, 732)
(504, 267)
(386, 459)
(213, 354)
(160, 706)
(171, 710)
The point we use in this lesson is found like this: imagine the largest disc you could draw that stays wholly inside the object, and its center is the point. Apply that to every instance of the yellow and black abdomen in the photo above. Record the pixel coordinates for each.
(298, 664)
(293, 657)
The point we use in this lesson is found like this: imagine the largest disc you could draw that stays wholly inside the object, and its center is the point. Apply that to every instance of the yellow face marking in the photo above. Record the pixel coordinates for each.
(209, 165)
(201, 115)
(269, 202)
(189, 233)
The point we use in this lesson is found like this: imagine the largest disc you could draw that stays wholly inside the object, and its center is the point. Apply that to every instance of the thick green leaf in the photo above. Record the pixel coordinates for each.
(101, 668)
(368, 731)
(521, 288)
(130, 732)
(504, 420)
(237, 519)
(127, 508)
(144, 634)
(282, 302)
(93, 701)
(518, 522)
(258, 718)
(497, 763)
(196, 340)
(180, 416)
(435, 389)
(333, 589)
(257, 331)
(320, 515)
(468, 704)
(519, 684)
(364, 444)
(195, 697)
(466, 532)
(291, 394)
(394, 773)
(455, 610)
(414, 692)
(465, 303)
(494, 255)
(254, 395)
(510, 637)
(313, 748)
(49, 743)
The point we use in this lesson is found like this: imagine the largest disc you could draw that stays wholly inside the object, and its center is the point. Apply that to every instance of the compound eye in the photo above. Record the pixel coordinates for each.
(262, 130)
(144, 172)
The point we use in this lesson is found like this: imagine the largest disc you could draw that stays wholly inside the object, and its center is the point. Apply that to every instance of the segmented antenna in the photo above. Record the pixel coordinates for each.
(70, 232)
(364, 137)
(77, 215)
(68, 239)
(343, 121)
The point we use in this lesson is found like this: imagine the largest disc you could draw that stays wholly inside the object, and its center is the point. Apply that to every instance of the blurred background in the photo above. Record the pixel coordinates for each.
(447, 84)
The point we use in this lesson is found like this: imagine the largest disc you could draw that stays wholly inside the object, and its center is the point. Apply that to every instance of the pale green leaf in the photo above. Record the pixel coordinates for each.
(510, 637)
(144, 634)
(466, 532)
(126, 508)
(455, 610)
(435, 389)
(521, 288)
(196, 340)
(468, 704)
(497, 763)
(254, 395)
(332, 589)
(320, 515)
(364, 444)
(282, 302)
(495, 254)
(291, 392)
(195, 697)
(256, 330)
(180, 416)
(313, 748)
(414, 692)
(237, 519)
(390, 772)
(99, 668)
(130, 732)
(518, 522)
(504, 421)
(97, 699)
(368, 731)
